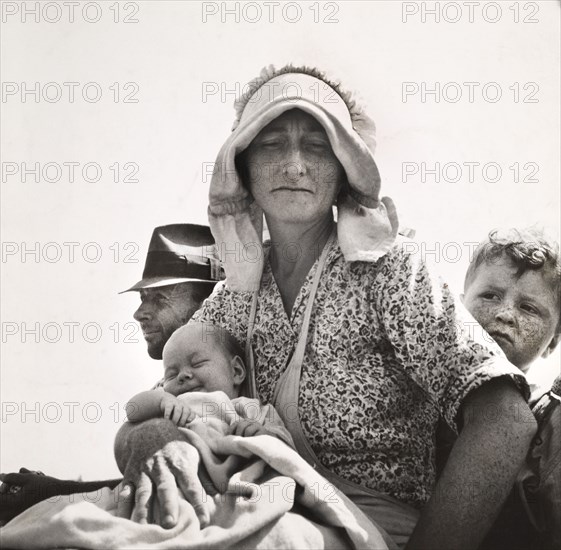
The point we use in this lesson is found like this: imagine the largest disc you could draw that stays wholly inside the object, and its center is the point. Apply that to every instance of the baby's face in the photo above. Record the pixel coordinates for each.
(520, 314)
(195, 362)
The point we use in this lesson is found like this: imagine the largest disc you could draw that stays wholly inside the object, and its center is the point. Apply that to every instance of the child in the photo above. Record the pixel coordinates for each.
(200, 357)
(512, 289)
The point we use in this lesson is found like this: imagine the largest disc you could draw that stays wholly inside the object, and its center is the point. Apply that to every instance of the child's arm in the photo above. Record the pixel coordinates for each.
(268, 422)
(144, 406)
(158, 404)
(248, 428)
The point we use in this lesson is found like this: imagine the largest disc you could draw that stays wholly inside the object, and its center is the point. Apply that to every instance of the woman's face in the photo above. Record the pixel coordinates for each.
(293, 173)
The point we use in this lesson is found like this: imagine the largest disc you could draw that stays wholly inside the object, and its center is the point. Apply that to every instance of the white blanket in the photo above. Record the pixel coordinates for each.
(274, 500)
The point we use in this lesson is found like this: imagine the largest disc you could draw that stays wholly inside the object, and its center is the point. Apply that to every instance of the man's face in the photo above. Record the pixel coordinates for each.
(162, 311)
(520, 313)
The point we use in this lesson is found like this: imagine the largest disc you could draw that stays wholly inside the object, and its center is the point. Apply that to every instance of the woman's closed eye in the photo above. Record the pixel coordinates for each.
(270, 141)
(271, 144)
(318, 145)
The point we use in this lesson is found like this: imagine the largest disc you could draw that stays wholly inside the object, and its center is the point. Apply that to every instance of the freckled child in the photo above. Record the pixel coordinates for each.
(512, 288)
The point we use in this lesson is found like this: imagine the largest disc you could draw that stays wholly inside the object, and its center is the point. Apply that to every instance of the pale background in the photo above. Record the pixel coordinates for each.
(170, 53)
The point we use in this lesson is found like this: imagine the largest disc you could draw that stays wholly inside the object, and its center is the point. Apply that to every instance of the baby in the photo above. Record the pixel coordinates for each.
(200, 357)
(512, 289)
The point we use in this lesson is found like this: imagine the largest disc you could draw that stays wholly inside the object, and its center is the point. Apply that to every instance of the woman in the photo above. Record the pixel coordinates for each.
(353, 342)
(380, 358)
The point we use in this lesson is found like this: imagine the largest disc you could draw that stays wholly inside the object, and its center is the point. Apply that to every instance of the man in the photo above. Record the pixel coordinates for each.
(180, 272)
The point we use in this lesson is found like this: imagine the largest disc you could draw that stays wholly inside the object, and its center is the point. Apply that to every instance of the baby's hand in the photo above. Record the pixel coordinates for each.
(175, 410)
(247, 428)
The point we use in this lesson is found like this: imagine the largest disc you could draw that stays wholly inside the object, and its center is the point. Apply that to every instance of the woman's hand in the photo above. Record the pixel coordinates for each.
(248, 428)
(157, 463)
(175, 410)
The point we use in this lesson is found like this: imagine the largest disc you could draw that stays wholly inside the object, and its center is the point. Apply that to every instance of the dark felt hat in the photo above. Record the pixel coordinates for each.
(180, 253)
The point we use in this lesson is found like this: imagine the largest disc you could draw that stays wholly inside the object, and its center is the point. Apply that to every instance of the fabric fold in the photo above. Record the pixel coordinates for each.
(272, 498)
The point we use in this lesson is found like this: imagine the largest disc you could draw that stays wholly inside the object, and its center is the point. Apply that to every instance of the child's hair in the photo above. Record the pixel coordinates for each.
(231, 345)
(211, 331)
(527, 249)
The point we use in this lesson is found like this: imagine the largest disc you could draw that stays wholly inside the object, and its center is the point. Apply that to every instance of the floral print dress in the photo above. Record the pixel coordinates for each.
(390, 351)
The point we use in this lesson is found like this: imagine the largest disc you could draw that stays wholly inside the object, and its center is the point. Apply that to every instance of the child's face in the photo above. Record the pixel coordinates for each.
(194, 362)
(520, 314)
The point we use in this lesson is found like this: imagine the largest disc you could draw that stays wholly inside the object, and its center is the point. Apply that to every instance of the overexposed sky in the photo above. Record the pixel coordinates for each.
(123, 105)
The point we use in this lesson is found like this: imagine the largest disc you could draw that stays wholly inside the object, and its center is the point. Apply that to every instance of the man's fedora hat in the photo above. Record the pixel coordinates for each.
(180, 253)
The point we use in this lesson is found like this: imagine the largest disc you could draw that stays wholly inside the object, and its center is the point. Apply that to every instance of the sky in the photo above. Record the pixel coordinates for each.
(113, 113)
